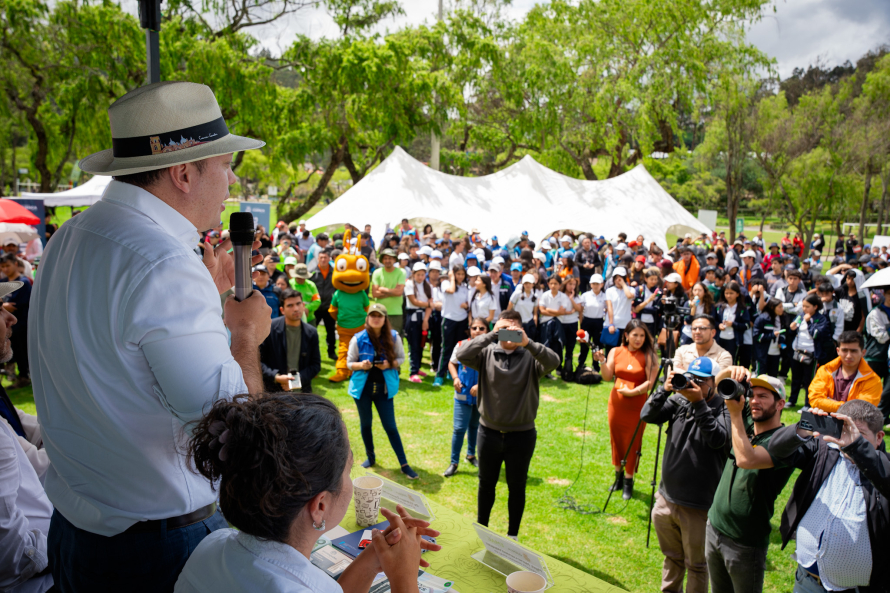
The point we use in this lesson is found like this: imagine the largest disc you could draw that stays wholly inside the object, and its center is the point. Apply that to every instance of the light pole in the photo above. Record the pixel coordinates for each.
(150, 20)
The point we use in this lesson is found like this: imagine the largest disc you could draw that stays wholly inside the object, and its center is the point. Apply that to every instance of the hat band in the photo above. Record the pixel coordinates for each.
(167, 142)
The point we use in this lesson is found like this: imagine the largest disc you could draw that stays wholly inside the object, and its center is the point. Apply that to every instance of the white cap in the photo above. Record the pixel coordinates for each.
(565, 239)
(621, 246)
(426, 250)
(302, 222)
(673, 277)
(749, 253)
(473, 271)
(552, 241)
(434, 265)
(688, 236)
(403, 256)
(546, 246)
(596, 278)
(436, 254)
(497, 260)
(620, 272)
(540, 256)
(480, 254)
(528, 278)
(419, 267)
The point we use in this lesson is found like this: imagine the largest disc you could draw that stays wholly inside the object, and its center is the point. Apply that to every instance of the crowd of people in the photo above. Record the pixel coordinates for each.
(158, 424)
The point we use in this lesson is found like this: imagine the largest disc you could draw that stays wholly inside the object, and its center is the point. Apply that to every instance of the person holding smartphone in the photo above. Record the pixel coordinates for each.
(375, 355)
(508, 396)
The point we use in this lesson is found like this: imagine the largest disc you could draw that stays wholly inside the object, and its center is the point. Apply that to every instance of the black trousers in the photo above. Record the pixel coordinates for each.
(513, 450)
(745, 355)
(452, 333)
(730, 346)
(594, 327)
(569, 337)
(19, 343)
(880, 369)
(801, 376)
(322, 316)
(434, 337)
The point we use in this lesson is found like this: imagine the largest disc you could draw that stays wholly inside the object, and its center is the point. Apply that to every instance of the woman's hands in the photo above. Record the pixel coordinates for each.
(400, 559)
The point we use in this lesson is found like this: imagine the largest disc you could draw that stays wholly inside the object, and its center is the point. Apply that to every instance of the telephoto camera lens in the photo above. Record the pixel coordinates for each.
(679, 382)
(732, 389)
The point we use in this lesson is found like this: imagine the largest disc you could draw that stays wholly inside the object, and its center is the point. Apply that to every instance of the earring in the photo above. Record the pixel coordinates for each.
(316, 527)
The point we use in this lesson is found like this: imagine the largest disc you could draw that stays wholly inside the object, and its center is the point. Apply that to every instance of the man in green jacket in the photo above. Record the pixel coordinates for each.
(302, 284)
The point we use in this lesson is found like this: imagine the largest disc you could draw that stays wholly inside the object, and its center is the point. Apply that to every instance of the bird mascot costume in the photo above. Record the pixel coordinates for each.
(349, 306)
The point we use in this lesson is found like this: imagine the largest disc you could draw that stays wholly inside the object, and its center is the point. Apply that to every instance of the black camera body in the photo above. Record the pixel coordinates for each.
(732, 389)
(680, 382)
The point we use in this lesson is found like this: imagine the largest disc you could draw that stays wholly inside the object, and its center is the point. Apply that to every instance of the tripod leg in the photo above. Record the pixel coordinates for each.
(652, 495)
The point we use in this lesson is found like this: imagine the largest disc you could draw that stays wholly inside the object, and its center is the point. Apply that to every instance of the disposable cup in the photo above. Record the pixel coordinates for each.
(525, 582)
(367, 490)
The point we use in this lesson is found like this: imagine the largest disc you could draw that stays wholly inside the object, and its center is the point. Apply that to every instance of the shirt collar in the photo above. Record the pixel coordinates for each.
(166, 217)
(277, 553)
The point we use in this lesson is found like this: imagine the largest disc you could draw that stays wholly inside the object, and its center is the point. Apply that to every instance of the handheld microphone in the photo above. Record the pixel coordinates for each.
(242, 234)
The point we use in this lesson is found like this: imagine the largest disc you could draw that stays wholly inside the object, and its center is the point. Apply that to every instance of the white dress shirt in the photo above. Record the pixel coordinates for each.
(230, 561)
(524, 304)
(833, 534)
(128, 347)
(25, 513)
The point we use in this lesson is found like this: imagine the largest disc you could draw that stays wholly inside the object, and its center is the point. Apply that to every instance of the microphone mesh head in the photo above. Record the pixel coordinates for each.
(241, 229)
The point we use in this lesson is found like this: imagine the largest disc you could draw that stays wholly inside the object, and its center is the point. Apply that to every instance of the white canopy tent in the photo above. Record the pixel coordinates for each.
(83, 195)
(523, 197)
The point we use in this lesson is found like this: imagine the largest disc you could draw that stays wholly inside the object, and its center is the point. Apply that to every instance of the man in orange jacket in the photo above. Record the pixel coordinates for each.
(688, 268)
(846, 377)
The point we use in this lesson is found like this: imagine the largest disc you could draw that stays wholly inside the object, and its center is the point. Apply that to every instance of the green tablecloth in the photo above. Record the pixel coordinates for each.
(459, 542)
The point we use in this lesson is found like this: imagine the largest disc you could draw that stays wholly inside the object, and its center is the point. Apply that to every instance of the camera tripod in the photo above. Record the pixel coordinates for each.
(672, 322)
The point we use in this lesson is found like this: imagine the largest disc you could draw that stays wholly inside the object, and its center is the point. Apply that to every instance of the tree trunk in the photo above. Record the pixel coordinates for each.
(864, 205)
(884, 188)
(337, 157)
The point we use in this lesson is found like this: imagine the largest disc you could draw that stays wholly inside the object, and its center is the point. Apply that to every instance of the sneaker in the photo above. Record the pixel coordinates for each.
(449, 377)
(515, 538)
(367, 463)
(472, 460)
(548, 376)
(421, 373)
(415, 379)
(412, 475)
(452, 469)
(803, 409)
(438, 382)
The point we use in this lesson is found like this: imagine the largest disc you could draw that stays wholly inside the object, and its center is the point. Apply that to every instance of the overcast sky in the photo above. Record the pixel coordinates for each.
(797, 34)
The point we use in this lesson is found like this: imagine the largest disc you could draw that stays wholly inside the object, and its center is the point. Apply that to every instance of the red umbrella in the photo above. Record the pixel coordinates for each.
(11, 211)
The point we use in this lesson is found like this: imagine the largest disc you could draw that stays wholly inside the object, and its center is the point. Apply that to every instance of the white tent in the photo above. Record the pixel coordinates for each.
(83, 195)
(523, 197)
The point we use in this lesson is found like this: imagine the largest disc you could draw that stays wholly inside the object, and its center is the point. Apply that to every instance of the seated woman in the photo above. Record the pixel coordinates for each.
(282, 463)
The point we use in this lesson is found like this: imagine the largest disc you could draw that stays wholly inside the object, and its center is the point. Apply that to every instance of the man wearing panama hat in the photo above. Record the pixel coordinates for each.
(128, 344)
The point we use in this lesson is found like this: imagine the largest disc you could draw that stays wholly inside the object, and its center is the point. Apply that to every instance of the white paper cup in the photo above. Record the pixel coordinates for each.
(366, 491)
(525, 582)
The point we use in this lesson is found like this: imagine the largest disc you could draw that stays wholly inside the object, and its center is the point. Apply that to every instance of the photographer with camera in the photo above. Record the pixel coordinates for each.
(507, 396)
(840, 505)
(704, 331)
(739, 520)
(695, 451)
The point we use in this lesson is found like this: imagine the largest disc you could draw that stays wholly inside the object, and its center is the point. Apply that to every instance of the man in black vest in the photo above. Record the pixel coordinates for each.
(291, 346)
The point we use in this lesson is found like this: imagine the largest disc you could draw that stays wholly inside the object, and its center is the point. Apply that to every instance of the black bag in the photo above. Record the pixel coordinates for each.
(587, 376)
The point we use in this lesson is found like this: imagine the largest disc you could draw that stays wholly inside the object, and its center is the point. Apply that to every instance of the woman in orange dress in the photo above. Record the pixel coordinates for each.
(634, 368)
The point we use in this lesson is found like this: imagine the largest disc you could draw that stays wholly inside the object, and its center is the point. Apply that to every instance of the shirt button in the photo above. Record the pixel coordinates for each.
(30, 553)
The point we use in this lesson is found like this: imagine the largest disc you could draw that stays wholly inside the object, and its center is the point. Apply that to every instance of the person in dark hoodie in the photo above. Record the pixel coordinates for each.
(839, 508)
(507, 396)
(697, 446)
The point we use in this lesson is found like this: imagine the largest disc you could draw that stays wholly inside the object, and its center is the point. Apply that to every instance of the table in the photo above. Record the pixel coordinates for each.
(459, 541)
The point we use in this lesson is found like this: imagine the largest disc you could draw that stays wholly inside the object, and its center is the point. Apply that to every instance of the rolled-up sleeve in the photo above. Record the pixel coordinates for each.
(22, 547)
(179, 328)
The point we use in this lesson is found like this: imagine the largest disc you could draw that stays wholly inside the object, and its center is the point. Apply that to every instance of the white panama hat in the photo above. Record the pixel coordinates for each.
(165, 124)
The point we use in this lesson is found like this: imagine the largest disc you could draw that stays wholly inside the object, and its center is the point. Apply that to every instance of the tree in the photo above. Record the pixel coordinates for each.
(60, 73)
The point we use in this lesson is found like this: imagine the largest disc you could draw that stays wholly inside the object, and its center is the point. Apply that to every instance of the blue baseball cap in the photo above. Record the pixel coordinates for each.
(494, 238)
(568, 253)
(702, 367)
(471, 254)
(516, 266)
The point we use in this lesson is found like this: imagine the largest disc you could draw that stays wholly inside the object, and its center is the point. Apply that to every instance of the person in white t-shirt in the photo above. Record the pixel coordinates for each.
(455, 305)
(551, 305)
(621, 298)
(569, 323)
(418, 308)
(483, 305)
(524, 300)
(593, 316)
(457, 257)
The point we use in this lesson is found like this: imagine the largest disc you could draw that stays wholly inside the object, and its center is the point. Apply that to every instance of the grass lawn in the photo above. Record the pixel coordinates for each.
(609, 546)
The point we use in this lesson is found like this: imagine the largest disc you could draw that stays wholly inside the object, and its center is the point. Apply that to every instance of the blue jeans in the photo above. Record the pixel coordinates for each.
(386, 411)
(465, 417)
(141, 561)
(804, 583)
